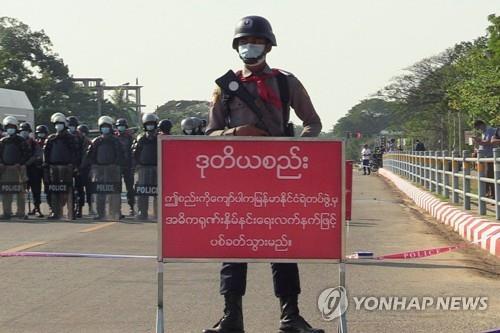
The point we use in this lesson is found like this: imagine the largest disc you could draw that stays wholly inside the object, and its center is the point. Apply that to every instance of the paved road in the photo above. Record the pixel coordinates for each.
(83, 295)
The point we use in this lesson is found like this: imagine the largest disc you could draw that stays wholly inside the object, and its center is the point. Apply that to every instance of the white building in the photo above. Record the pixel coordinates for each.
(16, 103)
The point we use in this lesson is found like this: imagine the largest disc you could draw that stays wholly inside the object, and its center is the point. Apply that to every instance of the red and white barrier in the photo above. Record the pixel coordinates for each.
(470, 227)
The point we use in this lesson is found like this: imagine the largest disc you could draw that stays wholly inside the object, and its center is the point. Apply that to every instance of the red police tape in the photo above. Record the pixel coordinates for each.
(417, 254)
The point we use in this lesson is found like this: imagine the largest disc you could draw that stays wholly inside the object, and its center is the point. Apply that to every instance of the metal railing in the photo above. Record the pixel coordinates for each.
(451, 175)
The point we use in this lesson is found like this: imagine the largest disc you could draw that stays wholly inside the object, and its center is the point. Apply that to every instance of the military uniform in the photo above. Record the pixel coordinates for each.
(230, 115)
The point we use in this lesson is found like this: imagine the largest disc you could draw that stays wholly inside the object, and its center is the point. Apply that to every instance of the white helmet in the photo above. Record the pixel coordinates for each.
(58, 117)
(10, 120)
(150, 118)
(105, 120)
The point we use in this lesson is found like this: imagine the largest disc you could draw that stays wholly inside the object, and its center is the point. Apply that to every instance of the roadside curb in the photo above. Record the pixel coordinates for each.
(470, 227)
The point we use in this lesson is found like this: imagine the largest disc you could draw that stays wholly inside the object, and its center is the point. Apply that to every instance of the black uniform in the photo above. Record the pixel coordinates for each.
(14, 153)
(144, 151)
(85, 170)
(105, 155)
(35, 172)
(79, 180)
(61, 159)
(126, 140)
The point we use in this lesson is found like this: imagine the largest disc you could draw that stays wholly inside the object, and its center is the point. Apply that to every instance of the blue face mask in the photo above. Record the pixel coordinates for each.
(72, 129)
(121, 128)
(59, 127)
(25, 134)
(41, 135)
(150, 127)
(251, 53)
(11, 131)
(105, 130)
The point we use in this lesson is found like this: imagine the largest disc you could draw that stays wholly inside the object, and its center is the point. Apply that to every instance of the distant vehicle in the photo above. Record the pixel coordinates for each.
(16, 103)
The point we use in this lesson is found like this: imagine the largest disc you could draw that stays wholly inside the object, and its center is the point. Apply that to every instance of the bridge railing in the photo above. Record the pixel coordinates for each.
(462, 179)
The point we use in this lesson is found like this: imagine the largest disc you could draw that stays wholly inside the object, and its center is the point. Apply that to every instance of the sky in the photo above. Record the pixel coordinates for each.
(342, 51)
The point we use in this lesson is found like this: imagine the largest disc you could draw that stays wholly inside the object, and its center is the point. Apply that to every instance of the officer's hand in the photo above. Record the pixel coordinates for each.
(249, 130)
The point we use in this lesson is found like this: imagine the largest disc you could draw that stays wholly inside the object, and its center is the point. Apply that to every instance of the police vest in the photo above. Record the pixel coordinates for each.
(12, 153)
(106, 152)
(60, 152)
(148, 151)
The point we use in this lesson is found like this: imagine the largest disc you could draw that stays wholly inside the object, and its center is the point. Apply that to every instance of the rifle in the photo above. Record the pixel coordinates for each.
(231, 85)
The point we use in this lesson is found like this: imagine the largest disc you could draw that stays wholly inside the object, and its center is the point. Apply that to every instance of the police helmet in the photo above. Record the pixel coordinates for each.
(25, 127)
(73, 121)
(58, 118)
(83, 129)
(57, 115)
(190, 125)
(10, 120)
(165, 125)
(256, 26)
(121, 122)
(42, 129)
(105, 120)
(150, 118)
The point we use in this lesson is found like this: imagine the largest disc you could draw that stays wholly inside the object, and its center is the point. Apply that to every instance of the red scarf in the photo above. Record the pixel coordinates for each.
(266, 93)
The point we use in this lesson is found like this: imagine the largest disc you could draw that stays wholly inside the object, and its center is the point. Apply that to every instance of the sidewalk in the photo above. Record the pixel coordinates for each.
(485, 233)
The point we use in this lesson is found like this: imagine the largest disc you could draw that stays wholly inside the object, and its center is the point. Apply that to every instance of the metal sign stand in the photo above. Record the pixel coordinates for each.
(342, 280)
(159, 307)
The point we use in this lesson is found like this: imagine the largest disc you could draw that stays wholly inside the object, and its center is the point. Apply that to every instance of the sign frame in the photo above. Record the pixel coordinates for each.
(162, 138)
(160, 318)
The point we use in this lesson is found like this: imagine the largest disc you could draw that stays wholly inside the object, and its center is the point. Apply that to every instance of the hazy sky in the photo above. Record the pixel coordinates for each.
(342, 51)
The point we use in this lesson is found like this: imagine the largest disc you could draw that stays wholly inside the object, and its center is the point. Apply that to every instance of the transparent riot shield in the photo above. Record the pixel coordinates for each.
(13, 184)
(146, 190)
(60, 191)
(105, 187)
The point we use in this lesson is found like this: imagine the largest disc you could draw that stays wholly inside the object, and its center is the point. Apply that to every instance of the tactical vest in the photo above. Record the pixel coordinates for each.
(106, 152)
(148, 152)
(12, 153)
(60, 152)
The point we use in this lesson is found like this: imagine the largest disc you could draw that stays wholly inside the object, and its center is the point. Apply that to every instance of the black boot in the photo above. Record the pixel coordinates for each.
(291, 321)
(232, 320)
(79, 211)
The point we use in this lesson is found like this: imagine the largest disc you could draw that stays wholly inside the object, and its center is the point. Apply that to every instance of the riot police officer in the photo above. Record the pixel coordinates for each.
(60, 159)
(79, 197)
(41, 134)
(14, 153)
(105, 156)
(84, 131)
(165, 126)
(145, 155)
(233, 114)
(192, 126)
(33, 167)
(127, 139)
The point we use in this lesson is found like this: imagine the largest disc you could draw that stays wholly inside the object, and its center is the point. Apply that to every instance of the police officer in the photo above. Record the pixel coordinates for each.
(41, 134)
(84, 167)
(144, 154)
(231, 115)
(105, 156)
(79, 198)
(127, 139)
(192, 126)
(14, 153)
(165, 126)
(33, 167)
(60, 159)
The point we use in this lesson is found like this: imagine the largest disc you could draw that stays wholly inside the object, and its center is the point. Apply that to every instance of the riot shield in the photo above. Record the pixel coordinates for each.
(105, 187)
(13, 184)
(146, 190)
(59, 188)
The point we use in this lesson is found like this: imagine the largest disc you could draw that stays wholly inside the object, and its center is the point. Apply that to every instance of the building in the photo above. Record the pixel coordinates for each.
(16, 103)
